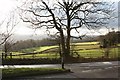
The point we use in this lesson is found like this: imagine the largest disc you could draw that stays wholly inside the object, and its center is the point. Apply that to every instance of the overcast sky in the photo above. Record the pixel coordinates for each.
(6, 6)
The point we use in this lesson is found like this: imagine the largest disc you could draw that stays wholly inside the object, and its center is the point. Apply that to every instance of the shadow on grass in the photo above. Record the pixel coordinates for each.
(13, 73)
(54, 60)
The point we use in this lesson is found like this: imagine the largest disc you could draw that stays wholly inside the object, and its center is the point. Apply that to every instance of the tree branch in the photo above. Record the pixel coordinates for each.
(38, 14)
(54, 20)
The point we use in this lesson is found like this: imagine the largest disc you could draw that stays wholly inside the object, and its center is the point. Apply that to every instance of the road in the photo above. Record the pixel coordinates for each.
(82, 70)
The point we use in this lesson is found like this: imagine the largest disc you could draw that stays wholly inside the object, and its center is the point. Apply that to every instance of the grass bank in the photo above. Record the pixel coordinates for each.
(54, 61)
(21, 72)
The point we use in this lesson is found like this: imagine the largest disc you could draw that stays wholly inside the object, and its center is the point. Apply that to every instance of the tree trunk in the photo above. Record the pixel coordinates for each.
(107, 51)
(10, 55)
(68, 44)
(68, 32)
(5, 50)
(60, 50)
(63, 52)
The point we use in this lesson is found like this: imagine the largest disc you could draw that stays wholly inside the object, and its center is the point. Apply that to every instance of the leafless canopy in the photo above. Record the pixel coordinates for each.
(6, 28)
(57, 14)
(66, 15)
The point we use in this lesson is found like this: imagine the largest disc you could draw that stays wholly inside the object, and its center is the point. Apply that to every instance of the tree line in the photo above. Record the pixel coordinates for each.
(110, 39)
(30, 43)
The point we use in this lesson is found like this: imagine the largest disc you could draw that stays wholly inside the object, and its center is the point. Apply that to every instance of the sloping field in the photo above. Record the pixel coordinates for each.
(86, 50)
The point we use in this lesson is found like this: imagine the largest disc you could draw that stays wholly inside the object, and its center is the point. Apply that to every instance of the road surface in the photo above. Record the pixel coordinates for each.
(80, 70)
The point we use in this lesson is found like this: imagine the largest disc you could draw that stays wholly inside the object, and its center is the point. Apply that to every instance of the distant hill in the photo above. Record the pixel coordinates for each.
(17, 37)
(26, 37)
(87, 38)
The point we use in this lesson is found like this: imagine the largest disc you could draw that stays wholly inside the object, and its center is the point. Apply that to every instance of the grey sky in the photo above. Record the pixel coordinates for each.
(7, 6)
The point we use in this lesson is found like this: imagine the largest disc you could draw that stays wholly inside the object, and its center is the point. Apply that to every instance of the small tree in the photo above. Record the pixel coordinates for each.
(8, 25)
(7, 48)
(108, 41)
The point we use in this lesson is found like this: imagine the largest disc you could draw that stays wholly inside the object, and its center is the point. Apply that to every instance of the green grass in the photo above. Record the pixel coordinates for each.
(45, 55)
(94, 53)
(45, 48)
(86, 49)
(17, 72)
(38, 49)
(87, 43)
(15, 53)
(115, 52)
(118, 45)
(49, 55)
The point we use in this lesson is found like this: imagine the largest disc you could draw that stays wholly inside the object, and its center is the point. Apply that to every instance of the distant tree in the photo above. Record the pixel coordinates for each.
(5, 34)
(118, 36)
(108, 41)
(7, 48)
(30, 43)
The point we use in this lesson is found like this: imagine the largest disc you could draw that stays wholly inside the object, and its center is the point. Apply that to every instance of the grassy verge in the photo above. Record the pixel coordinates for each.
(21, 72)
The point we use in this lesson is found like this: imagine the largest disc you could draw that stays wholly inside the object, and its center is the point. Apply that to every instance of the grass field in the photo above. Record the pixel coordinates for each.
(94, 53)
(38, 49)
(86, 50)
(18, 72)
(86, 43)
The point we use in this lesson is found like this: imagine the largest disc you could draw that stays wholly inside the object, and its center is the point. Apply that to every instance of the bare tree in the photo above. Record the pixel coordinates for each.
(7, 31)
(2, 35)
(7, 27)
(66, 16)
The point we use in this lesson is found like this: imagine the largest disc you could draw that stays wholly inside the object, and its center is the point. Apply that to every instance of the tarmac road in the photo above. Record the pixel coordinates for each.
(82, 70)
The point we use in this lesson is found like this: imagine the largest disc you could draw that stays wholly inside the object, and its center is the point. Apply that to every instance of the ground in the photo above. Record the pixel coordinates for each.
(81, 70)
